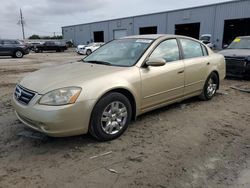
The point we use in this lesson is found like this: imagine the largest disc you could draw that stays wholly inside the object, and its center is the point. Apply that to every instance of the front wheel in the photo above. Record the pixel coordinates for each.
(110, 117)
(88, 52)
(210, 87)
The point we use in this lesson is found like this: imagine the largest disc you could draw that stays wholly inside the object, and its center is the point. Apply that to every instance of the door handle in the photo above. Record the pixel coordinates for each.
(180, 72)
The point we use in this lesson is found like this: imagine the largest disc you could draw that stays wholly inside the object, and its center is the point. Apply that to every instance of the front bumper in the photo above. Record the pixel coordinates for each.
(237, 68)
(26, 51)
(238, 72)
(55, 121)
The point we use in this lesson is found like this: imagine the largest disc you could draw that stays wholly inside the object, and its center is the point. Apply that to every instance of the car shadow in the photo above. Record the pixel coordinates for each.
(6, 57)
(178, 105)
(37, 139)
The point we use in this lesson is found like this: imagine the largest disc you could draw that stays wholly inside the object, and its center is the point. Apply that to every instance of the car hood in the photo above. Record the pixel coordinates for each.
(73, 74)
(235, 52)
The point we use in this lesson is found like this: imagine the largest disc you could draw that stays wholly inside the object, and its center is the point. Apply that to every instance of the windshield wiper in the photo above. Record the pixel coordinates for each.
(98, 62)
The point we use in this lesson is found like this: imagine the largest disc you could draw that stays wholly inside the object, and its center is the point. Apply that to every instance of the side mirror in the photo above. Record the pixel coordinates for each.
(156, 62)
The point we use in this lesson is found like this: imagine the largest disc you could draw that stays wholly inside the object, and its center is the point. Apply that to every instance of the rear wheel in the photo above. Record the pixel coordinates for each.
(38, 50)
(18, 54)
(110, 117)
(210, 87)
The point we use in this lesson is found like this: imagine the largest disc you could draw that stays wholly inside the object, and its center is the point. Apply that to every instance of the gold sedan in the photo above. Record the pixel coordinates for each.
(120, 81)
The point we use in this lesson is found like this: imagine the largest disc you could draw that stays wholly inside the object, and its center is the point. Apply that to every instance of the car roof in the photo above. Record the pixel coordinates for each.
(10, 39)
(154, 36)
(206, 35)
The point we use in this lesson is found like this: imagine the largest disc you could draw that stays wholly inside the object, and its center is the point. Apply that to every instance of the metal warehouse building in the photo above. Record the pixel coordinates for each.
(224, 21)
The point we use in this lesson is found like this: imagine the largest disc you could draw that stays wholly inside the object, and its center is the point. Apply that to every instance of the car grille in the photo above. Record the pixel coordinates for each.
(23, 95)
(235, 65)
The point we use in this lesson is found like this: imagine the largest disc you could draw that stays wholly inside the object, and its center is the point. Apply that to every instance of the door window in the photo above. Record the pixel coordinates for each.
(9, 42)
(167, 50)
(191, 49)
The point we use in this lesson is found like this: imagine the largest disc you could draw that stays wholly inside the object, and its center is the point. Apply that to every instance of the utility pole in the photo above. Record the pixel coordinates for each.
(22, 22)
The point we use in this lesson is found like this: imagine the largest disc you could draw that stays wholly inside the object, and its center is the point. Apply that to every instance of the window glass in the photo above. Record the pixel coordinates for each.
(204, 49)
(7, 42)
(122, 52)
(191, 49)
(240, 43)
(167, 50)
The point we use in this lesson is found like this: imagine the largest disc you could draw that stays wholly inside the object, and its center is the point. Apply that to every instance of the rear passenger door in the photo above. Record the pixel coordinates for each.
(196, 62)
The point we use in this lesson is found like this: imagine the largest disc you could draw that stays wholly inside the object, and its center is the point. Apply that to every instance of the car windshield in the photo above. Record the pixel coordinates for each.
(240, 43)
(122, 52)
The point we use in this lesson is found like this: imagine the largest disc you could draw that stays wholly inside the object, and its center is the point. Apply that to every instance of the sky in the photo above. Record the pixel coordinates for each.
(46, 17)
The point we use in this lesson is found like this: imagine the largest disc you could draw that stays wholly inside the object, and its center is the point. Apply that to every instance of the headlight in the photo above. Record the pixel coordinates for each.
(61, 96)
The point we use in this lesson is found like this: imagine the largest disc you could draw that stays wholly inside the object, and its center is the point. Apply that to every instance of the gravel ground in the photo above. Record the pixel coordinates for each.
(189, 144)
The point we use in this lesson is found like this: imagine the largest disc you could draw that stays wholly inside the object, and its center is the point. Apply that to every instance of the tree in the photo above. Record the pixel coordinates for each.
(46, 37)
(34, 37)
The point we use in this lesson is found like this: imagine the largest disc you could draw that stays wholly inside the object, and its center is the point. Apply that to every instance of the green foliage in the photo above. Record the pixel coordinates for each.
(34, 37)
(46, 37)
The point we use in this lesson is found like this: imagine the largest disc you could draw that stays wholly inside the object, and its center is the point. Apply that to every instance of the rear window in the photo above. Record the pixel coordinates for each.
(6, 42)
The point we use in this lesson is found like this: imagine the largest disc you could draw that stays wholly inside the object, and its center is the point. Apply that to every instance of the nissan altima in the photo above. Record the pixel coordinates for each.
(116, 83)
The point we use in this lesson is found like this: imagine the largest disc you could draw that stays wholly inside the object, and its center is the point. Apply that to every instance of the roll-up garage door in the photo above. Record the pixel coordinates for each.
(120, 33)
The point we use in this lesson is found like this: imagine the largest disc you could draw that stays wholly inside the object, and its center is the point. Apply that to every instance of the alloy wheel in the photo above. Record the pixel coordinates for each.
(211, 87)
(114, 118)
(19, 54)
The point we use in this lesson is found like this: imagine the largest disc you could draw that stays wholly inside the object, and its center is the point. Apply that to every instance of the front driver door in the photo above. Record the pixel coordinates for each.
(164, 84)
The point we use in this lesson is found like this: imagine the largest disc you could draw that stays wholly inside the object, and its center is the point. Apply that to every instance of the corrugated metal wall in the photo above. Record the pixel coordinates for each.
(211, 19)
(159, 20)
(204, 16)
(122, 24)
(234, 10)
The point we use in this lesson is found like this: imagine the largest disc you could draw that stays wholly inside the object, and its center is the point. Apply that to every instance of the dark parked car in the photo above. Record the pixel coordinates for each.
(237, 57)
(51, 46)
(14, 48)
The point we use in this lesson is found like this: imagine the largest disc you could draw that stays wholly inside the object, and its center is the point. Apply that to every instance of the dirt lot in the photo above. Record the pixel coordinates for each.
(192, 144)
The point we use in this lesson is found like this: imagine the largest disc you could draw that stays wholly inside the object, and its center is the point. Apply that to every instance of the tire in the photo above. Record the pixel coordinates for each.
(210, 87)
(18, 54)
(88, 52)
(110, 117)
(38, 50)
